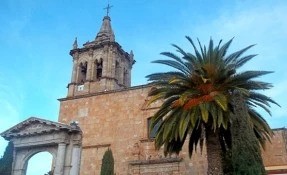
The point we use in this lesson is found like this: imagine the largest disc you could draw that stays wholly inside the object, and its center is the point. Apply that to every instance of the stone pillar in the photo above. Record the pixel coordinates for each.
(60, 160)
(76, 160)
(18, 164)
(74, 73)
(93, 71)
(129, 78)
(89, 71)
(121, 73)
(18, 172)
(105, 56)
(77, 73)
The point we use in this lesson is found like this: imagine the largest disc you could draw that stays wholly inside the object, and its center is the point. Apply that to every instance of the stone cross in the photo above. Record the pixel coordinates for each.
(108, 9)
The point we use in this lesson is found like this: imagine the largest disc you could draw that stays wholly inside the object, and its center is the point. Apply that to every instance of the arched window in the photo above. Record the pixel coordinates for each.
(82, 72)
(98, 71)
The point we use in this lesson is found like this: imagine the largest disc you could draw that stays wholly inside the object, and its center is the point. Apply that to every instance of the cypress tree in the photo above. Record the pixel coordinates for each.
(246, 154)
(7, 160)
(107, 163)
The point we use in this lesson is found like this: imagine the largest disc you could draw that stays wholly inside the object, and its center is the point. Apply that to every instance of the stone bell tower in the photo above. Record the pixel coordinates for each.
(100, 65)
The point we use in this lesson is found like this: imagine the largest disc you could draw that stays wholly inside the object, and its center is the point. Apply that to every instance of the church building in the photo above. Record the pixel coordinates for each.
(102, 111)
(114, 115)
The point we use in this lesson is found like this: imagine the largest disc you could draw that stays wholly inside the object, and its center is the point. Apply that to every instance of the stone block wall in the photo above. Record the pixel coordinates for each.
(275, 153)
(118, 120)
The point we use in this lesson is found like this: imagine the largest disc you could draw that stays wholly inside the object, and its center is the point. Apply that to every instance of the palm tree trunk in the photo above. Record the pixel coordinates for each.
(213, 149)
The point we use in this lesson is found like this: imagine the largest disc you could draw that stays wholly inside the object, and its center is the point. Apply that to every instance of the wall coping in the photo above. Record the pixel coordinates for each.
(155, 161)
(106, 92)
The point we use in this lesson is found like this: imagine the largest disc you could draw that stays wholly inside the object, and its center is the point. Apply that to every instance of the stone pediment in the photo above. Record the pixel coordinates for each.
(36, 126)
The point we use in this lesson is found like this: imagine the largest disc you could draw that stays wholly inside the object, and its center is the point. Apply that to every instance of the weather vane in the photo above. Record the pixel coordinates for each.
(108, 8)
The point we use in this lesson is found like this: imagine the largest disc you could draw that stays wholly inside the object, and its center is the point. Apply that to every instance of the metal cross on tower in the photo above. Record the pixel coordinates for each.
(108, 8)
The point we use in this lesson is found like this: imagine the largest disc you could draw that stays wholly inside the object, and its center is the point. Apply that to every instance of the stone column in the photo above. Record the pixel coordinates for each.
(105, 56)
(89, 71)
(77, 74)
(18, 172)
(121, 73)
(18, 163)
(71, 86)
(60, 160)
(74, 73)
(76, 160)
(128, 77)
(93, 71)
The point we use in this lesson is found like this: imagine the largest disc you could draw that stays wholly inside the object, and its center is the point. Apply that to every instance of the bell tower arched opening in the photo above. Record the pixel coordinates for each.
(98, 69)
(82, 74)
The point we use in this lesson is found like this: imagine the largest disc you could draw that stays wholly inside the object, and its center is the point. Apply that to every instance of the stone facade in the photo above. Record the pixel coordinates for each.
(119, 120)
(275, 154)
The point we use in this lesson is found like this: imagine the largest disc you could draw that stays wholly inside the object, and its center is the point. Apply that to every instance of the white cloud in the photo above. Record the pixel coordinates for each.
(247, 24)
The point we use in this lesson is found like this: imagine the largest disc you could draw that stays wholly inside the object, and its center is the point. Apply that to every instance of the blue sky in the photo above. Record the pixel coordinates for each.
(36, 36)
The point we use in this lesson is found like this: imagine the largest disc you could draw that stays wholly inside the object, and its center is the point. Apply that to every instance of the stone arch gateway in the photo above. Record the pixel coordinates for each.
(34, 135)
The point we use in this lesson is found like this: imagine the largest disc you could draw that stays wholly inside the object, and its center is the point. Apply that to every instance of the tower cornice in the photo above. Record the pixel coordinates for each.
(94, 46)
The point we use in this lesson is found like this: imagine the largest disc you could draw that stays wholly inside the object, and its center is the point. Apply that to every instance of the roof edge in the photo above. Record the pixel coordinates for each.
(106, 92)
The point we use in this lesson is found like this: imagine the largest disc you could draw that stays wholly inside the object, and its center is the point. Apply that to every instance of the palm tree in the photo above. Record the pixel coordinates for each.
(196, 99)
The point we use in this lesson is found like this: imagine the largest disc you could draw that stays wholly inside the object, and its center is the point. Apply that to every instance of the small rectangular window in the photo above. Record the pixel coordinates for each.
(152, 133)
(80, 87)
